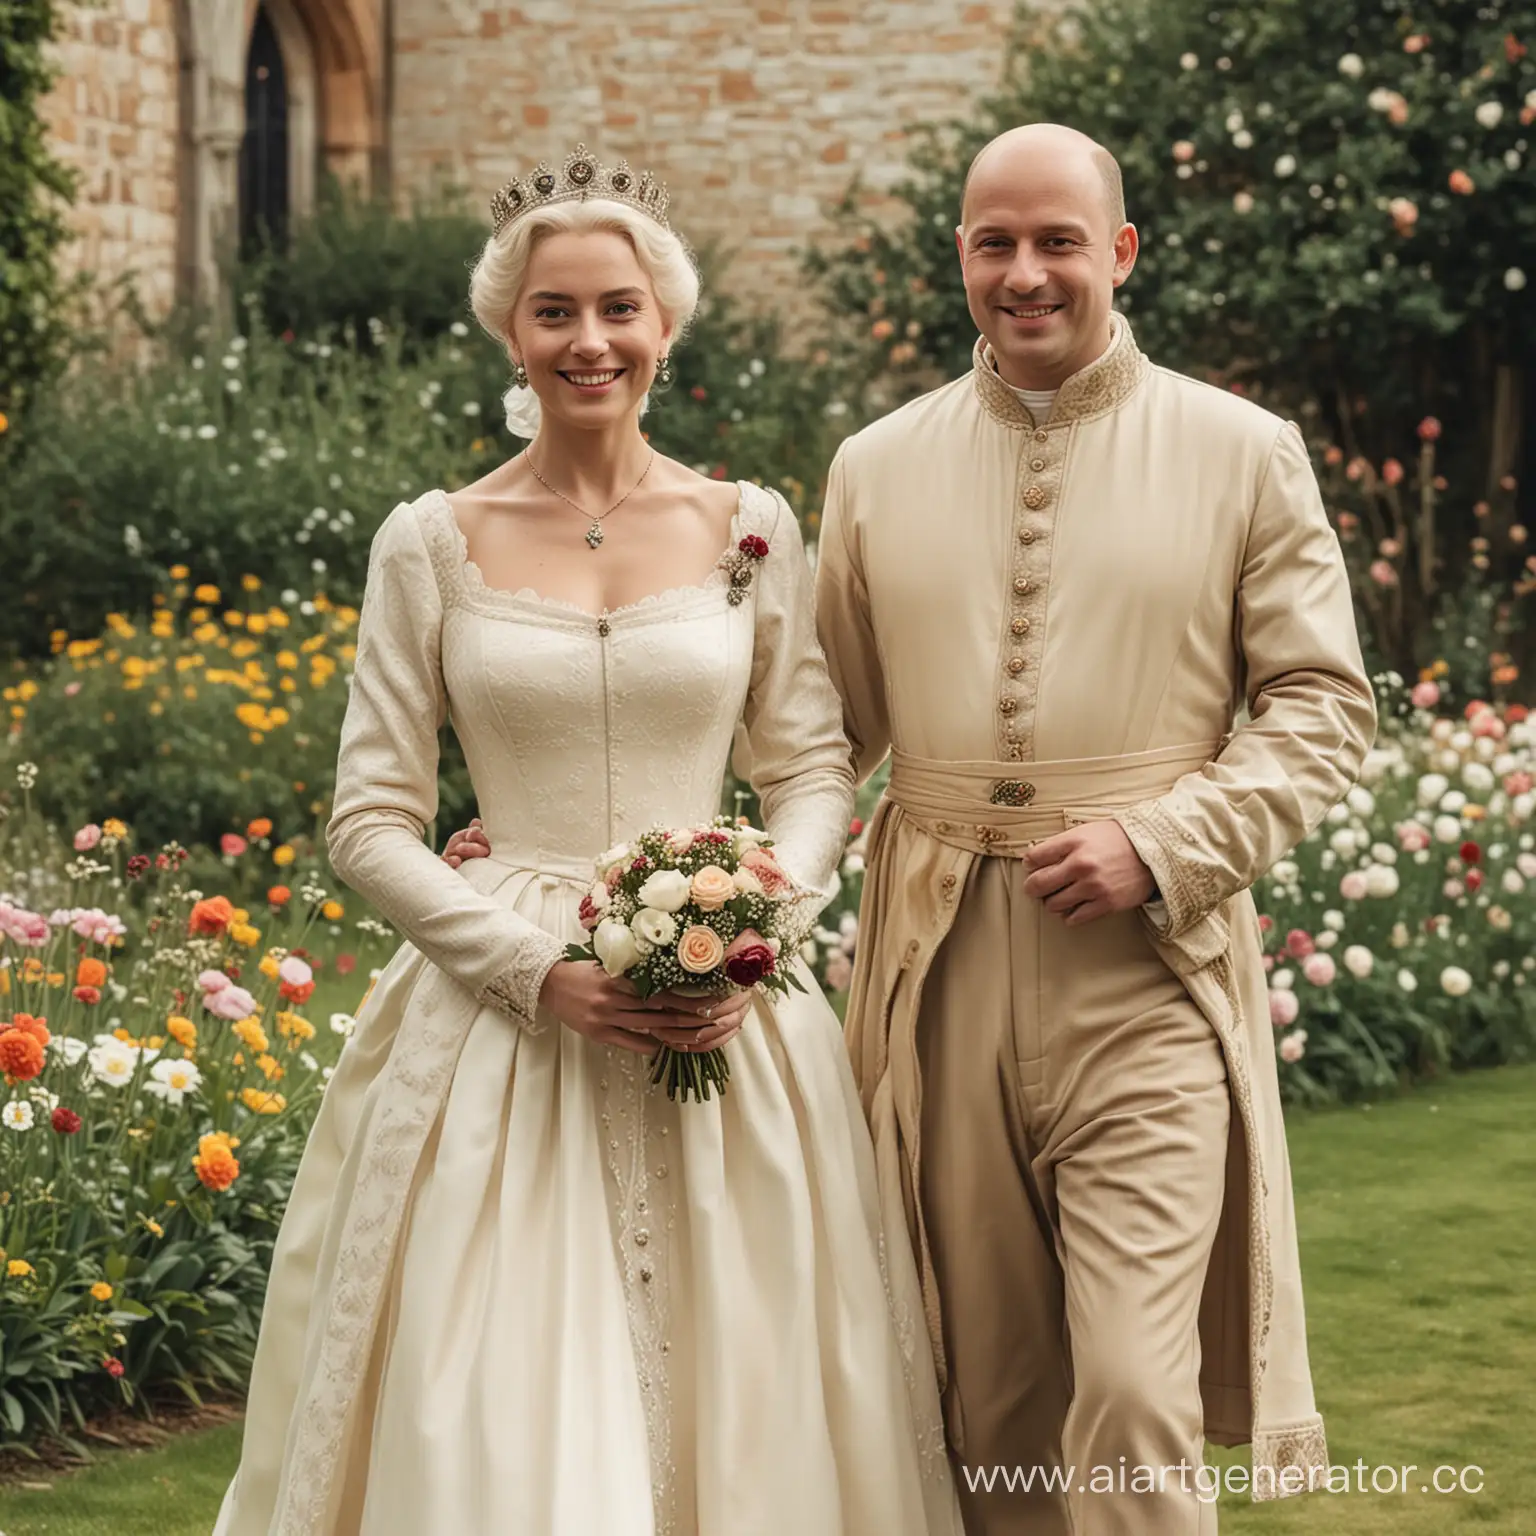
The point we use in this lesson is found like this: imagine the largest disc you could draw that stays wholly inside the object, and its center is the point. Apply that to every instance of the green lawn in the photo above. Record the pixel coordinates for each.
(1417, 1221)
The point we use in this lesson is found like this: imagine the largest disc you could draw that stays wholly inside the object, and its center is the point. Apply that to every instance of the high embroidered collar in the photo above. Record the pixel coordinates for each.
(1100, 387)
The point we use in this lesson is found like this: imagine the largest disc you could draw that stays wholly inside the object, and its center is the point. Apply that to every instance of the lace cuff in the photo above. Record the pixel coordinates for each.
(515, 990)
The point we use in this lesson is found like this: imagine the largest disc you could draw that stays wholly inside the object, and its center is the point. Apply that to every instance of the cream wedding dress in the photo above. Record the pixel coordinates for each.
(518, 1292)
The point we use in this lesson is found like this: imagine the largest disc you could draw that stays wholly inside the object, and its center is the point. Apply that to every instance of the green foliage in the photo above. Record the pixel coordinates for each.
(1290, 168)
(34, 188)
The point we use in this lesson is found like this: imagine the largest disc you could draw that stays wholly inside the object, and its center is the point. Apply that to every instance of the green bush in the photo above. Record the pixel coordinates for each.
(34, 189)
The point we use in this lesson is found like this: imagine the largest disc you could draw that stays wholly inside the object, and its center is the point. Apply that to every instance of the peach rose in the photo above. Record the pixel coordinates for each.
(712, 887)
(769, 872)
(700, 950)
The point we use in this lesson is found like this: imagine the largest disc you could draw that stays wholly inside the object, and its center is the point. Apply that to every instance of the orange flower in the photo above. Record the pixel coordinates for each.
(278, 895)
(212, 916)
(90, 996)
(36, 1027)
(182, 1031)
(261, 827)
(260, 1102)
(1462, 184)
(21, 1056)
(90, 973)
(215, 1163)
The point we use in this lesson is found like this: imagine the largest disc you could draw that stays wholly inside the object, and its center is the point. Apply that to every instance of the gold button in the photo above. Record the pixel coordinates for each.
(1034, 498)
(1042, 437)
(1037, 465)
(1020, 626)
(1007, 706)
(1016, 665)
(1016, 751)
(1021, 585)
(948, 882)
(1026, 536)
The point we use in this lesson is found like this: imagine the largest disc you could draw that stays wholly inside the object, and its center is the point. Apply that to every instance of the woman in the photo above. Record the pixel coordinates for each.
(517, 1290)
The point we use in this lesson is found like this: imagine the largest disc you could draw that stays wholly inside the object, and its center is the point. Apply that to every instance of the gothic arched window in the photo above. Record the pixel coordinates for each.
(264, 185)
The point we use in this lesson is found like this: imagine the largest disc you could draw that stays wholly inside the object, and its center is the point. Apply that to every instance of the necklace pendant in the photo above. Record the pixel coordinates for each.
(595, 535)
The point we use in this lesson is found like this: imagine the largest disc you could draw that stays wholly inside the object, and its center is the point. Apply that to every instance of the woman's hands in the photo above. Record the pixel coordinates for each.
(605, 1009)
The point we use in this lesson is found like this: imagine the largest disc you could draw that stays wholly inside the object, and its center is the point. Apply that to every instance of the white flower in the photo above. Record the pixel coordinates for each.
(657, 929)
(17, 1115)
(1242, 202)
(1337, 815)
(1522, 806)
(1359, 961)
(746, 883)
(459, 329)
(1334, 920)
(1286, 872)
(1343, 842)
(1514, 278)
(1384, 853)
(1478, 777)
(1293, 1046)
(599, 896)
(617, 947)
(112, 1062)
(1381, 881)
(1407, 980)
(749, 837)
(1285, 165)
(1380, 100)
(1512, 882)
(667, 891)
(69, 1047)
(207, 432)
(1360, 800)
(173, 1080)
(1447, 829)
(1282, 981)
(1455, 981)
(1234, 121)
(1431, 787)
(1352, 65)
(342, 1023)
(1453, 802)
(1327, 939)
(1489, 114)
(619, 853)
(1189, 61)
(1242, 139)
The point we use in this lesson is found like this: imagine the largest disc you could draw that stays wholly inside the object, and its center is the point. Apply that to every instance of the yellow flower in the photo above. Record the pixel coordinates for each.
(283, 854)
(179, 573)
(262, 1101)
(333, 911)
(251, 1033)
(112, 827)
(312, 644)
(120, 626)
(287, 660)
(252, 716)
(257, 624)
(102, 1291)
(78, 648)
(19, 1269)
(243, 648)
(348, 616)
(277, 717)
(269, 966)
(156, 1228)
(198, 616)
(251, 583)
(270, 1068)
(26, 690)
(245, 935)
(293, 1026)
(136, 667)
(55, 978)
(287, 685)
(322, 603)
(277, 619)
(183, 1031)
(207, 593)
(234, 618)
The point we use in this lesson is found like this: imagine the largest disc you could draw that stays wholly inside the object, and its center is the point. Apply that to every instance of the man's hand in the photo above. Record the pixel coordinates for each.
(469, 843)
(1088, 872)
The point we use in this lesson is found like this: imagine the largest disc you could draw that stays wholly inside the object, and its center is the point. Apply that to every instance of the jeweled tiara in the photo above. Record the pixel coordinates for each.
(583, 176)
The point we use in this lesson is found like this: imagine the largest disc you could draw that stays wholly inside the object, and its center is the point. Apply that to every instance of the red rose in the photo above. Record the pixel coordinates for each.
(65, 1121)
(754, 546)
(1299, 944)
(748, 958)
(296, 991)
(1473, 880)
(1471, 853)
(88, 995)
(112, 1367)
(587, 913)
(137, 865)
(1265, 923)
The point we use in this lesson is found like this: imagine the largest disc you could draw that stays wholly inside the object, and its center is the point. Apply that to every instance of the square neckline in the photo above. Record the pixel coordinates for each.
(472, 579)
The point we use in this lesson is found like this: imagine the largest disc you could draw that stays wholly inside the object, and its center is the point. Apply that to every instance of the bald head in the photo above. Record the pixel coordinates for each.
(1026, 147)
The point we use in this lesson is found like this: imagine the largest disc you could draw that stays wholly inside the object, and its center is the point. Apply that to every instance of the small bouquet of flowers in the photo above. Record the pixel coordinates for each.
(700, 911)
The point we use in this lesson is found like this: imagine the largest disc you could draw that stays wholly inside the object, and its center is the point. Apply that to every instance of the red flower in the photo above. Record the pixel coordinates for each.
(232, 845)
(1514, 49)
(855, 826)
(1299, 944)
(1515, 714)
(88, 995)
(1429, 429)
(345, 964)
(112, 1367)
(753, 546)
(211, 916)
(699, 392)
(718, 472)
(1474, 880)
(748, 959)
(1470, 853)
(287, 335)
(1266, 924)
(1392, 472)
(1461, 184)
(65, 1121)
(137, 865)
(296, 991)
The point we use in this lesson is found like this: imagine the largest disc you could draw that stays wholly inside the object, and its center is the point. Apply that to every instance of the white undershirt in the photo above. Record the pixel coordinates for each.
(1039, 401)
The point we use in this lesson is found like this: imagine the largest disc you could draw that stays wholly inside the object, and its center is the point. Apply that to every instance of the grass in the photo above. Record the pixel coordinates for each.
(1417, 1220)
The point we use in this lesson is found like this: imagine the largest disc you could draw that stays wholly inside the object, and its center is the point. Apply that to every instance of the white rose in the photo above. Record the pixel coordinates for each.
(1407, 981)
(1337, 814)
(616, 946)
(1334, 920)
(1489, 114)
(746, 883)
(1285, 873)
(1447, 829)
(749, 837)
(618, 852)
(1282, 981)
(666, 890)
(1327, 939)
(657, 929)
(1359, 961)
(1285, 165)
(1431, 787)
(1512, 882)
(1354, 66)
(1343, 842)
(1453, 802)
(1381, 881)
(1384, 853)
(1455, 981)
(1522, 806)
(599, 896)
(1360, 800)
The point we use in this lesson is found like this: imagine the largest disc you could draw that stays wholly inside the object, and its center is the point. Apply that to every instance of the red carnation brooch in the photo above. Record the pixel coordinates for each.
(739, 564)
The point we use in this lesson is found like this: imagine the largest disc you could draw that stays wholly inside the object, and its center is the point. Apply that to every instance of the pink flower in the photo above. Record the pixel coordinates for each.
(1413, 836)
(212, 981)
(1488, 724)
(1299, 944)
(1353, 887)
(1425, 695)
(1293, 1047)
(232, 845)
(1392, 472)
(1429, 429)
(1517, 783)
(1461, 184)
(748, 958)
(1319, 969)
(87, 837)
(1526, 864)
(23, 927)
(839, 971)
(1283, 1008)
(770, 874)
(71, 689)
(230, 1002)
(294, 971)
(1383, 574)
(1183, 151)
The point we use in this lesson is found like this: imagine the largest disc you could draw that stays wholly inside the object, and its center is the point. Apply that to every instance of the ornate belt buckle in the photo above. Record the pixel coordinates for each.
(1012, 792)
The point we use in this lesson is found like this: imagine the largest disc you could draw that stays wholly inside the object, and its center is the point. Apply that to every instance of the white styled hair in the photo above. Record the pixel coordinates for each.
(497, 279)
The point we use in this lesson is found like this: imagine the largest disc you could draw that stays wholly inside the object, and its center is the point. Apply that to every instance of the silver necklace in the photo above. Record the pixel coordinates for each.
(595, 531)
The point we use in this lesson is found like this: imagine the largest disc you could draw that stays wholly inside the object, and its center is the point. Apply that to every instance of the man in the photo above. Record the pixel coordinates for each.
(1045, 590)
